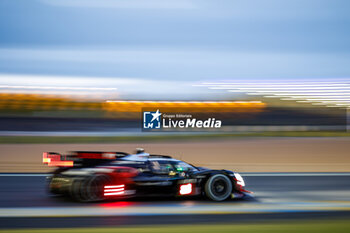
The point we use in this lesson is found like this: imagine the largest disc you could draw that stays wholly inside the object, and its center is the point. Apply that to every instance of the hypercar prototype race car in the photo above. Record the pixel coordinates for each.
(89, 176)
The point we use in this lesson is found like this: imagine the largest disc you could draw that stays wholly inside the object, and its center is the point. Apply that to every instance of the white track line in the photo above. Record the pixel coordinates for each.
(178, 209)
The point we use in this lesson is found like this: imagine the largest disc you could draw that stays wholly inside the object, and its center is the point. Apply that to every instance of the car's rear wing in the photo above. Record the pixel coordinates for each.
(56, 160)
(96, 154)
(80, 158)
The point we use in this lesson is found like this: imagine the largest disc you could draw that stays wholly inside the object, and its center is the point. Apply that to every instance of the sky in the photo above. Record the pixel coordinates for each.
(175, 41)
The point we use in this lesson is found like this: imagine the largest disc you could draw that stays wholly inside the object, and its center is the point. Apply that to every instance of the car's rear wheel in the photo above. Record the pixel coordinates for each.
(218, 187)
(89, 189)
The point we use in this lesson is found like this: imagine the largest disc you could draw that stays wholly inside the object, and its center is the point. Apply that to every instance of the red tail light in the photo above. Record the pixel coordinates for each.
(54, 159)
(114, 190)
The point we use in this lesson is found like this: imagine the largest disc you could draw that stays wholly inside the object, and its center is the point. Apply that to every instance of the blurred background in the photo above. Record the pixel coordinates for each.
(76, 74)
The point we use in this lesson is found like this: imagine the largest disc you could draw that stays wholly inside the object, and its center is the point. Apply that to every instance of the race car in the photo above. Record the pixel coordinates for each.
(91, 176)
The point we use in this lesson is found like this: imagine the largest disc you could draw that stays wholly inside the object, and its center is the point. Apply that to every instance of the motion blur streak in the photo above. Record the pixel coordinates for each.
(291, 89)
(189, 106)
(40, 102)
(57, 88)
(22, 102)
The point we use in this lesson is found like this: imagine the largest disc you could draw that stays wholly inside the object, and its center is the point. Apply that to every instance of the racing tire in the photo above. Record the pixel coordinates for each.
(89, 189)
(76, 189)
(52, 192)
(218, 187)
(95, 187)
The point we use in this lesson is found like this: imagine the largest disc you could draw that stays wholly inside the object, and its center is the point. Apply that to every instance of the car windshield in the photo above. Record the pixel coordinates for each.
(162, 167)
(183, 167)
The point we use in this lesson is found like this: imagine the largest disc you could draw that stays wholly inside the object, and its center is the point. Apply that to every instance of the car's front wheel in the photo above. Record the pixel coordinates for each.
(218, 187)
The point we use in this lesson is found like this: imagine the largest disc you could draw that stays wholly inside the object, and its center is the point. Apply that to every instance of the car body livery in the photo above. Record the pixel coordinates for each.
(89, 176)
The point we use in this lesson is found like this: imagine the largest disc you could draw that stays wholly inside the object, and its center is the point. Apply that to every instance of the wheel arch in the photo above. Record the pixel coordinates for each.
(210, 173)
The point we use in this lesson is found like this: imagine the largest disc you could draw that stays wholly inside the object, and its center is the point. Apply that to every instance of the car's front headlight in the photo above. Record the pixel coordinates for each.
(239, 178)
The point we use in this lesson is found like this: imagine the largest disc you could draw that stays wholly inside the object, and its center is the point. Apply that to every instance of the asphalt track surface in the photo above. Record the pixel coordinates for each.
(24, 203)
